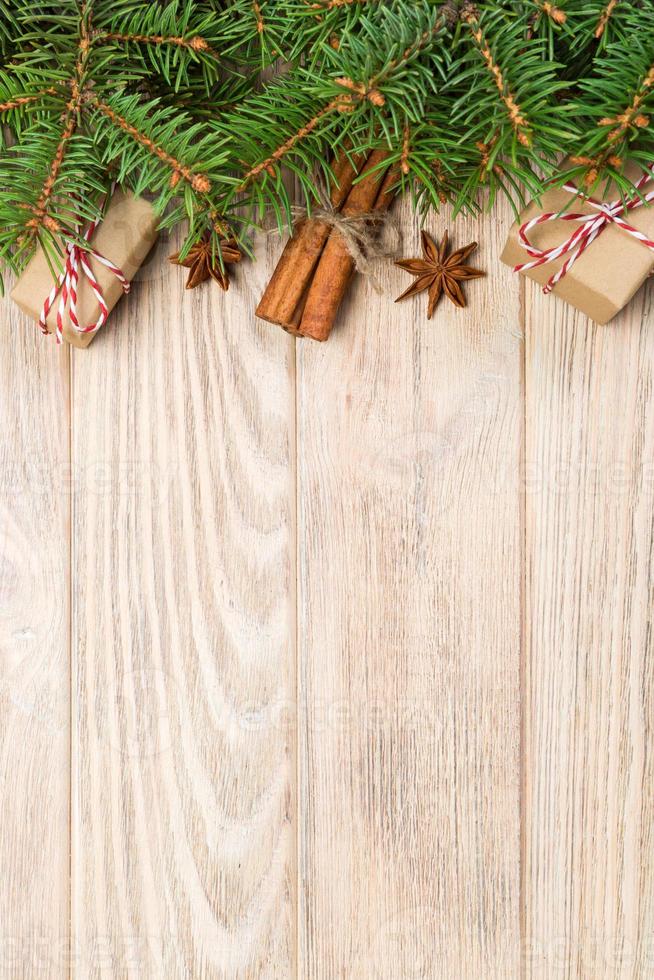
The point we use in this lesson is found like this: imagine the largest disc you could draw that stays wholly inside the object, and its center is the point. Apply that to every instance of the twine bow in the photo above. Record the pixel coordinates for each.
(66, 285)
(590, 227)
(359, 233)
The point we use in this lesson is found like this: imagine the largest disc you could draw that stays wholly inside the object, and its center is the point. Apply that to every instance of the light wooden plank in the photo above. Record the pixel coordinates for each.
(34, 651)
(183, 753)
(589, 701)
(409, 444)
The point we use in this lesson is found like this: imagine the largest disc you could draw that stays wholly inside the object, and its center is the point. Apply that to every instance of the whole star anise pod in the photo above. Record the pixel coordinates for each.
(202, 264)
(439, 272)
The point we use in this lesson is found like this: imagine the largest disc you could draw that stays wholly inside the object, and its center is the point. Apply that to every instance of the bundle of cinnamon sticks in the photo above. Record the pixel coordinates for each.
(316, 266)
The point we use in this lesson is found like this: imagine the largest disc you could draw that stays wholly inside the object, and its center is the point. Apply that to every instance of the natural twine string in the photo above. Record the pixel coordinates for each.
(360, 233)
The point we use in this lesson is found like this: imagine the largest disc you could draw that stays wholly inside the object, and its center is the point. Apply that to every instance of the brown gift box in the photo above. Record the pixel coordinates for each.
(124, 236)
(607, 274)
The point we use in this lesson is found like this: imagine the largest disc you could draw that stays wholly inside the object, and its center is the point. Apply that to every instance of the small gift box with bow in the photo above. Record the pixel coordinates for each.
(594, 251)
(89, 281)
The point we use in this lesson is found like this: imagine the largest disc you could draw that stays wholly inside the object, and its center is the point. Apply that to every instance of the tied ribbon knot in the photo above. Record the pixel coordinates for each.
(591, 225)
(77, 256)
(359, 232)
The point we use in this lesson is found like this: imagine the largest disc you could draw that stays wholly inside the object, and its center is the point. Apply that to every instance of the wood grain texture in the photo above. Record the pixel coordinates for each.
(34, 652)
(183, 620)
(589, 701)
(267, 612)
(409, 444)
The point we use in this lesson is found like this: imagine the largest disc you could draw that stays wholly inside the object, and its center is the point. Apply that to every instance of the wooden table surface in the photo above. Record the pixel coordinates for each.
(329, 661)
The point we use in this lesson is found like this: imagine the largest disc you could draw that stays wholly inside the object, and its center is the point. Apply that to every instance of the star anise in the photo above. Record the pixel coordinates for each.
(439, 272)
(200, 260)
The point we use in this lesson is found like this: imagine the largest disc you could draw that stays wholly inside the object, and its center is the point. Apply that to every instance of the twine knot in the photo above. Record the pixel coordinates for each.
(359, 232)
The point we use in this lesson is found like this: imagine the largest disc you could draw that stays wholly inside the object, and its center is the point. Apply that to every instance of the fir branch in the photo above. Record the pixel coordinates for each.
(555, 14)
(604, 18)
(598, 23)
(179, 171)
(550, 21)
(41, 217)
(9, 29)
(334, 4)
(178, 41)
(170, 95)
(633, 114)
(340, 104)
(446, 17)
(426, 28)
(519, 121)
(406, 151)
(256, 6)
(79, 183)
(511, 122)
(257, 31)
(195, 43)
(614, 105)
(20, 101)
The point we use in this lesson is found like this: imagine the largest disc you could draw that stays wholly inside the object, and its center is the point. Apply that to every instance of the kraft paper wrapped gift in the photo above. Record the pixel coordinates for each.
(610, 270)
(125, 235)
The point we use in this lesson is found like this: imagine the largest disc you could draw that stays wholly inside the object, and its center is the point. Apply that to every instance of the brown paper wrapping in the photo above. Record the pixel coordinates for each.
(125, 236)
(607, 274)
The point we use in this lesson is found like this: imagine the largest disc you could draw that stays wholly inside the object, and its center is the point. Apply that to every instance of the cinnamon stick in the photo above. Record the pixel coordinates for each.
(282, 301)
(374, 192)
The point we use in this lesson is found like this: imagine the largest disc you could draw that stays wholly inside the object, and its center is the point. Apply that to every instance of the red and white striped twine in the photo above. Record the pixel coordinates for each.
(590, 226)
(66, 285)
